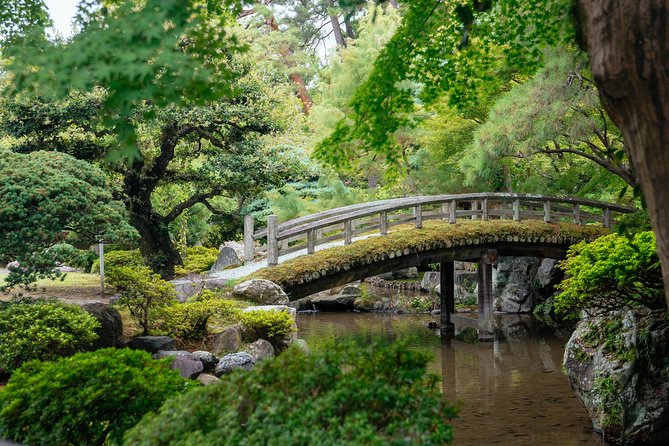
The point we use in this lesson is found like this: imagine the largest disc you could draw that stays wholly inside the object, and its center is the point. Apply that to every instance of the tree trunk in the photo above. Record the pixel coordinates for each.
(350, 32)
(628, 44)
(336, 29)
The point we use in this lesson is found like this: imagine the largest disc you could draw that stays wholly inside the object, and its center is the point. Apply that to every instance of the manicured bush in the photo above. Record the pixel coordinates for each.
(188, 321)
(143, 293)
(87, 399)
(612, 272)
(197, 259)
(273, 326)
(43, 330)
(118, 259)
(345, 395)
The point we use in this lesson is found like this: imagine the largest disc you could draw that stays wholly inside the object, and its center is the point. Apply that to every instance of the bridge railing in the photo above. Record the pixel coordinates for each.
(347, 222)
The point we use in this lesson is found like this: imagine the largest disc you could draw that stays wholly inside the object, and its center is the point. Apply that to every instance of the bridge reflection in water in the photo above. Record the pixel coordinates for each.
(511, 391)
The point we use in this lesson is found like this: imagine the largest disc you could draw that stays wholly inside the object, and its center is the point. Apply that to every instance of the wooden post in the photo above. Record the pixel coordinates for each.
(101, 247)
(606, 217)
(451, 212)
(547, 211)
(384, 223)
(248, 238)
(577, 213)
(475, 207)
(485, 295)
(445, 210)
(272, 244)
(311, 241)
(447, 297)
(516, 209)
(418, 215)
(348, 232)
(484, 209)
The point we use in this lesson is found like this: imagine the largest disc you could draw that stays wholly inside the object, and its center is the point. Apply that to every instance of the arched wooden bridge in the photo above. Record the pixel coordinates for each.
(430, 229)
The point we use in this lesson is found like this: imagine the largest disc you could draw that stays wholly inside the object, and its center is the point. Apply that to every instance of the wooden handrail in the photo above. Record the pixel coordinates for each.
(310, 228)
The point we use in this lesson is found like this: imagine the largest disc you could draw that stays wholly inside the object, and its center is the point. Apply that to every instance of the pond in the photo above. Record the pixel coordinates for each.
(512, 391)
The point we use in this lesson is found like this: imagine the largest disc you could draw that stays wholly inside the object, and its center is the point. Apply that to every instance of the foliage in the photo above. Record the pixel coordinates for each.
(43, 195)
(43, 330)
(548, 127)
(433, 235)
(187, 321)
(633, 223)
(469, 335)
(272, 326)
(198, 259)
(143, 293)
(344, 395)
(87, 399)
(119, 259)
(609, 273)
(71, 256)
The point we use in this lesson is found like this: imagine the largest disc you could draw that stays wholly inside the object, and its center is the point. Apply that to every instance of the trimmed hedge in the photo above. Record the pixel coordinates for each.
(345, 395)
(87, 399)
(43, 330)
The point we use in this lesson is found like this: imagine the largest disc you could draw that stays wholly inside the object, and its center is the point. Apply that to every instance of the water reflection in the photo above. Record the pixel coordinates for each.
(511, 391)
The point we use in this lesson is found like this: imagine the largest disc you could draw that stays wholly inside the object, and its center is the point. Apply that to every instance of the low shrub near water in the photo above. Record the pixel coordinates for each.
(273, 326)
(611, 272)
(43, 330)
(188, 321)
(344, 395)
(86, 399)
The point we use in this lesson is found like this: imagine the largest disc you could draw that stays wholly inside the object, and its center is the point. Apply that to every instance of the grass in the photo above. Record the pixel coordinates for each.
(74, 287)
(434, 235)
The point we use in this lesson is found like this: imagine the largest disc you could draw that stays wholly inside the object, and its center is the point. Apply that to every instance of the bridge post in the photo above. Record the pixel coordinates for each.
(451, 212)
(577, 213)
(606, 217)
(485, 294)
(248, 238)
(348, 232)
(484, 209)
(447, 296)
(547, 211)
(311, 242)
(272, 243)
(516, 209)
(418, 215)
(384, 222)
(475, 208)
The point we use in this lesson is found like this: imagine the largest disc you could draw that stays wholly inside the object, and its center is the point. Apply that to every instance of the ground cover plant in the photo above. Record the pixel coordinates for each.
(342, 395)
(273, 326)
(87, 399)
(42, 330)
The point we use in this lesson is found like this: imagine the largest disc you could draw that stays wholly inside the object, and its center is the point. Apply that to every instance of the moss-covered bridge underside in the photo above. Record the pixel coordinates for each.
(436, 242)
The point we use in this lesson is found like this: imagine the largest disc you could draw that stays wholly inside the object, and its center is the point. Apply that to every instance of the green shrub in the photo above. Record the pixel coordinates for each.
(273, 326)
(71, 256)
(87, 399)
(612, 272)
(43, 330)
(344, 395)
(630, 224)
(117, 259)
(188, 321)
(197, 259)
(143, 293)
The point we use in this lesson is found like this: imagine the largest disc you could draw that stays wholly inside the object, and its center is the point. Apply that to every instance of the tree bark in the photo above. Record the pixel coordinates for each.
(628, 45)
(336, 27)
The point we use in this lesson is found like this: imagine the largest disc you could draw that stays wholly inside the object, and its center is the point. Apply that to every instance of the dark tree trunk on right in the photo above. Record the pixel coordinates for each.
(628, 45)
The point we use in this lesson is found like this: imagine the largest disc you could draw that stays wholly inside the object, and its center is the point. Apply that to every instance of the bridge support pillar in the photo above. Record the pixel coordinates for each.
(485, 295)
(447, 296)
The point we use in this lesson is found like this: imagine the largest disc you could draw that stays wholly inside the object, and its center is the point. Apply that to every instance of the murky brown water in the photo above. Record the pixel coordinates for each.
(512, 391)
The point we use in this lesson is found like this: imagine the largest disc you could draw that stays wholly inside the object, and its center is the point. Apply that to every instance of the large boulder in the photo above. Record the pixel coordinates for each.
(260, 349)
(513, 284)
(399, 274)
(617, 364)
(187, 364)
(207, 380)
(260, 291)
(430, 280)
(110, 331)
(227, 257)
(303, 304)
(208, 359)
(234, 361)
(188, 286)
(340, 302)
(152, 344)
(227, 341)
(466, 286)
